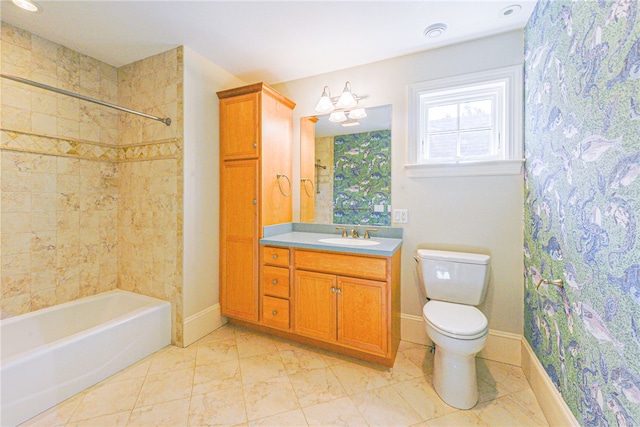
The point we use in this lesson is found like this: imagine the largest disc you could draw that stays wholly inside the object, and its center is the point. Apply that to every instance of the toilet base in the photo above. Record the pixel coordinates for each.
(454, 378)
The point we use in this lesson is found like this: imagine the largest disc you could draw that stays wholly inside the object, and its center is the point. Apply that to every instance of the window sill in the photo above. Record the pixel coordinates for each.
(471, 168)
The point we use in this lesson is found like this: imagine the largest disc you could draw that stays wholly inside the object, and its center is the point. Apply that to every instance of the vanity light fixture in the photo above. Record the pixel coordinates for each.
(346, 101)
(358, 113)
(28, 5)
(337, 117)
(350, 122)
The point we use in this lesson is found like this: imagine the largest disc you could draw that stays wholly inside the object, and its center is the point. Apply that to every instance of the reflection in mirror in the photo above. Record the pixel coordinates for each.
(345, 172)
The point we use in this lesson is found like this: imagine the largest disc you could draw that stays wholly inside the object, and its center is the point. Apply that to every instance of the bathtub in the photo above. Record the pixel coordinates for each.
(51, 354)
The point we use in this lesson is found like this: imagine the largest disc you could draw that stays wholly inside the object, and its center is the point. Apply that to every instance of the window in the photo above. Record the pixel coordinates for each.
(467, 125)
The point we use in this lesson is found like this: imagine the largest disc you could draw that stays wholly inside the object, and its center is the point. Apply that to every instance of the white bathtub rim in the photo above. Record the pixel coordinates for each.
(48, 346)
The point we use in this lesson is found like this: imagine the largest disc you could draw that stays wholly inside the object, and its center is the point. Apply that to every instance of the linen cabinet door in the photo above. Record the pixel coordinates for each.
(362, 314)
(239, 240)
(239, 127)
(315, 305)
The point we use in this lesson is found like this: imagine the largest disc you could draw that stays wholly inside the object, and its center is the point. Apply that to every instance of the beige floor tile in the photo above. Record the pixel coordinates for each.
(109, 398)
(270, 397)
(235, 376)
(216, 352)
(422, 397)
(171, 413)
(216, 376)
(223, 333)
(58, 415)
(316, 386)
(172, 358)
(119, 419)
(457, 419)
(255, 344)
(498, 379)
(356, 378)
(516, 409)
(293, 418)
(385, 407)
(340, 412)
(218, 408)
(297, 359)
(165, 386)
(261, 368)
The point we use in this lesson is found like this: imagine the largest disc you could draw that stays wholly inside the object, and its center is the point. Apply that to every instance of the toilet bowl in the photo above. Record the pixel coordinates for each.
(454, 283)
(458, 332)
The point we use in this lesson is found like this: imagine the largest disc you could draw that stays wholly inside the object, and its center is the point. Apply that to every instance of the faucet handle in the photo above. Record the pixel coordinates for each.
(366, 232)
(344, 231)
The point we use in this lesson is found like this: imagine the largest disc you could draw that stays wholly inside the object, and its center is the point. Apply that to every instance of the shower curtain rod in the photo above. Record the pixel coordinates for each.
(166, 121)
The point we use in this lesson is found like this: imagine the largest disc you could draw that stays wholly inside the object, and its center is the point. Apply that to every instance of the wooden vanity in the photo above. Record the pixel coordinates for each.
(343, 299)
(344, 302)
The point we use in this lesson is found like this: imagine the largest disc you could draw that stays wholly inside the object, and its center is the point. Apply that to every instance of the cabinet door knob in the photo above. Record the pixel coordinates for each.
(274, 312)
(275, 281)
(255, 202)
(338, 291)
(255, 145)
(333, 290)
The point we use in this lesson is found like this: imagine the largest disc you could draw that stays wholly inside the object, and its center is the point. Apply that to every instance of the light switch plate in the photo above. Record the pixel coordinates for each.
(400, 216)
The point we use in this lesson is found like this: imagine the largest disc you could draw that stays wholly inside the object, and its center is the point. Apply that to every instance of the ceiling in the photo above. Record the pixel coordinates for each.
(271, 41)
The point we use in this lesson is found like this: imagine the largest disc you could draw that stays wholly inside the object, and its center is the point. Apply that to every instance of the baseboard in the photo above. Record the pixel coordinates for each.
(501, 347)
(202, 323)
(553, 405)
(412, 329)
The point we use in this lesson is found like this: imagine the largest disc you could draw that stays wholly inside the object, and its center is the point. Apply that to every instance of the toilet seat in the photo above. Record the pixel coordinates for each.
(458, 321)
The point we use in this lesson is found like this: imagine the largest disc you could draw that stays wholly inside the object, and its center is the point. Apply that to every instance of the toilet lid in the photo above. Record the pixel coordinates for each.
(458, 319)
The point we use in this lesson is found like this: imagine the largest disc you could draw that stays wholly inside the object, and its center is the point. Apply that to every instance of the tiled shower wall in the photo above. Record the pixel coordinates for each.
(91, 197)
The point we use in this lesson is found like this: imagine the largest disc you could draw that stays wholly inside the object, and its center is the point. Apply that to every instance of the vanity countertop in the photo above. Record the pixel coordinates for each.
(308, 236)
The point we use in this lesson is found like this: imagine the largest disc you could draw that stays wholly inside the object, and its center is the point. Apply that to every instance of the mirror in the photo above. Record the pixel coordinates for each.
(345, 171)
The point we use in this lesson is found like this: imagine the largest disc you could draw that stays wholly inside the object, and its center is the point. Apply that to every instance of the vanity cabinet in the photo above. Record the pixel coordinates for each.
(351, 301)
(256, 140)
(275, 288)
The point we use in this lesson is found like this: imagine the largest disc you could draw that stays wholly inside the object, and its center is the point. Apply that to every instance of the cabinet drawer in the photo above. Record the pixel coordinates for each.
(275, 312)
(275, 281)
(275, 256)
(342, 264)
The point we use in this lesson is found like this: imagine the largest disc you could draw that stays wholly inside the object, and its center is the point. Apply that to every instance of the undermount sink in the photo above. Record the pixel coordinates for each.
(348, 241)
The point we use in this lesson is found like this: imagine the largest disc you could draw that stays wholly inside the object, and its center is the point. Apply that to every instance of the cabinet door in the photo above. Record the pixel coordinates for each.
(315, 305)
(362, 314)
(239, 127)
(239, 239)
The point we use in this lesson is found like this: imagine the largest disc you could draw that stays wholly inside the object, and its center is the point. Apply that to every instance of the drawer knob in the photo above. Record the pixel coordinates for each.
(274, 312)
(275, 256)
(275, 281)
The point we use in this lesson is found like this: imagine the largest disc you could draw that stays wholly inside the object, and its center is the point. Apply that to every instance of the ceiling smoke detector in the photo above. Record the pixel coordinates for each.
(435, 30)
(510, 11)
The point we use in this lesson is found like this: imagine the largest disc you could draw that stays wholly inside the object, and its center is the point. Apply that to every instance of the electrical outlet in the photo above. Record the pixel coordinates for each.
(400, 216)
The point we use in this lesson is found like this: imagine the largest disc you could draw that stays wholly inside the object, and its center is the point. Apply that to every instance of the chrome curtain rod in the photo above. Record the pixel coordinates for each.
(166, 121)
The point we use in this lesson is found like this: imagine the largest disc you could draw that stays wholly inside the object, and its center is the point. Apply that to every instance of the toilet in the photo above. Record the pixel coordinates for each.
(453, 283)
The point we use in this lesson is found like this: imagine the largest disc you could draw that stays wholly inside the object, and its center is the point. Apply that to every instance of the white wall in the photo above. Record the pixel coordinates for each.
(202, 79)
(483, 213)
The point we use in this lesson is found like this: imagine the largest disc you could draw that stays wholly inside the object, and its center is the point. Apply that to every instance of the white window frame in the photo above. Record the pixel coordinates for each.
(509, 159)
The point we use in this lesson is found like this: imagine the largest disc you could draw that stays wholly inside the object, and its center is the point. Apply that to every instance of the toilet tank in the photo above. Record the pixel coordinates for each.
(453, 276)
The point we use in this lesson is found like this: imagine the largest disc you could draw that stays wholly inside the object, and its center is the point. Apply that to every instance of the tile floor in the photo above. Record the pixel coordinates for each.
(236, 377)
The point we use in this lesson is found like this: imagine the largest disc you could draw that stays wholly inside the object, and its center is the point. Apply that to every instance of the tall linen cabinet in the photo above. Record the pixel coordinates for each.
(256, 137)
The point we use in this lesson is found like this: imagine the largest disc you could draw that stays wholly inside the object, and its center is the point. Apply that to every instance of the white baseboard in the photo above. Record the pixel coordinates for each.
(501, 347)
(202, 323)
(553, 405)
